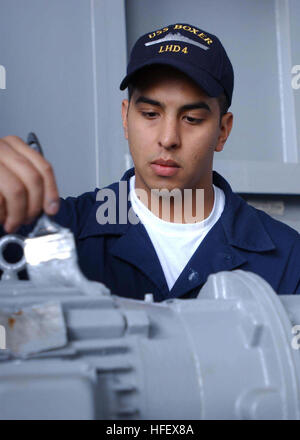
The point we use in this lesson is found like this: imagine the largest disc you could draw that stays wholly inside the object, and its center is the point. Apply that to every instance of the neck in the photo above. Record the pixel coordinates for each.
(182, 206)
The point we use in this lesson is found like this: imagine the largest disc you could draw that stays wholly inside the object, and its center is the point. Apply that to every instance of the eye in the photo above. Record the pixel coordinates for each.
(149, 115)
(192, 120)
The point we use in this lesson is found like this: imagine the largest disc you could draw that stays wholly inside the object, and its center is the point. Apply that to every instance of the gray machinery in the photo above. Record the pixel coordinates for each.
(75, 353)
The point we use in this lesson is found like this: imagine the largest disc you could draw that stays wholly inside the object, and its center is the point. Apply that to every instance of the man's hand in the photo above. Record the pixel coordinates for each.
(27, 184)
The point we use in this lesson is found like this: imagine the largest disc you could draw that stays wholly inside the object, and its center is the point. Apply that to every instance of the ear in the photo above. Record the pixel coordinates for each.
(125, 105)
(225, 129)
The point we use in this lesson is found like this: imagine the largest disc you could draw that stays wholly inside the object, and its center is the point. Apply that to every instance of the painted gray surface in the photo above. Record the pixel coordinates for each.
(253, 157)
(64, 61)
(110, 68)
(228, 354)
(283, 208)
(60, 59)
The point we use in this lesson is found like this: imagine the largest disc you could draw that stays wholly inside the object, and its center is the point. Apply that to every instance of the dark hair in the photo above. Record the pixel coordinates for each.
(223, 104)
(222, 99)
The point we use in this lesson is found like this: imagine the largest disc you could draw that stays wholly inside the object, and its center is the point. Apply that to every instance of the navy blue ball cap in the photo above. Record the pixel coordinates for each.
(197, 53)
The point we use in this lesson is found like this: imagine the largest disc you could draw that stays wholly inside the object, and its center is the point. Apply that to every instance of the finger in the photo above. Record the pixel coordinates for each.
(30, 177)
(50, 191)
(50, 195)
(2, 210)
(15, 195)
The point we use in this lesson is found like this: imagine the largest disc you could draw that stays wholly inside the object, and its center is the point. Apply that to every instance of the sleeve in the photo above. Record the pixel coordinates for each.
(292, 274)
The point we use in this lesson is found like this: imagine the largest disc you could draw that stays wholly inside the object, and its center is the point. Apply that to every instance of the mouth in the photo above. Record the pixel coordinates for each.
(163, 167)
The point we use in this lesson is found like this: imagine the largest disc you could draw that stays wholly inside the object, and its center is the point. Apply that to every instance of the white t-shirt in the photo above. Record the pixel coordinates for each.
(175, 243)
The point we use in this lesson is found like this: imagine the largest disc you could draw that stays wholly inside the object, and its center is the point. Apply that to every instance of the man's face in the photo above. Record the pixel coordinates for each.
(171, 118)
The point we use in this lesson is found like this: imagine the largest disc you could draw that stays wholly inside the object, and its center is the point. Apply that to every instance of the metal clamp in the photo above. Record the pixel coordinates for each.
(10, 270)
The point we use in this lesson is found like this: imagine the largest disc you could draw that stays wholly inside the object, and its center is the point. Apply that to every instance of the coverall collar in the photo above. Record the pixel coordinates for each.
(241, 223)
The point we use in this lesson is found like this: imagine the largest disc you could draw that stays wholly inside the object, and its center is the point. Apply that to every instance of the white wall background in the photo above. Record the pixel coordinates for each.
(262, 40)
(64, 60)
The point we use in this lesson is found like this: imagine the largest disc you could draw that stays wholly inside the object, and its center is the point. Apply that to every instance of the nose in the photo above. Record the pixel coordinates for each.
(169, 133)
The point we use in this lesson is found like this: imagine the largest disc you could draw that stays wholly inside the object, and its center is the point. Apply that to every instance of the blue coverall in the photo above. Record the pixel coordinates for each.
(123, 258)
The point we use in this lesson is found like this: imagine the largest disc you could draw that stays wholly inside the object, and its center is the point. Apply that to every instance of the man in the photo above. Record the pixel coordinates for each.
(180, 88)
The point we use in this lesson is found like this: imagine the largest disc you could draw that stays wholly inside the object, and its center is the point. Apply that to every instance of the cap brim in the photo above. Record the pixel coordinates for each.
(199, 76)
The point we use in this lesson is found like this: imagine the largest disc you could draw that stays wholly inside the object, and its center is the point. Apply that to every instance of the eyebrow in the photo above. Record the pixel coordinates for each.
(192, 106)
